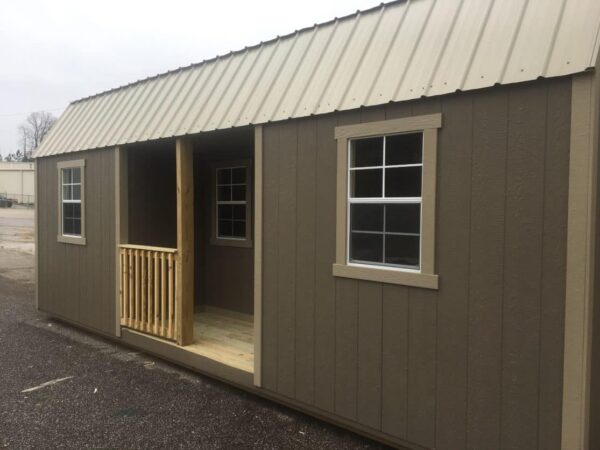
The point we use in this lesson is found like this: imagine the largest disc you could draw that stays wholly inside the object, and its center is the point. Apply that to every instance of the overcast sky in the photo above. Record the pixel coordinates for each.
(53, 52)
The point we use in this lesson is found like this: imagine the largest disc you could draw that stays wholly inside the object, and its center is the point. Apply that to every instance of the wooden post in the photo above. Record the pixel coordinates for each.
(121, 223)
(184, 277)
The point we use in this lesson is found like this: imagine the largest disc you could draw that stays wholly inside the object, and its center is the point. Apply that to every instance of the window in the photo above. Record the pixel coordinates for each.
(71, 202)
(232, 204)
(386, 201)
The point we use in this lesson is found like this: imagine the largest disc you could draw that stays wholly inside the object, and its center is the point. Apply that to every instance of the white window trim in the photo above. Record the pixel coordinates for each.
(67, 238)
(382, 200)
(231, 241)
(425, 276)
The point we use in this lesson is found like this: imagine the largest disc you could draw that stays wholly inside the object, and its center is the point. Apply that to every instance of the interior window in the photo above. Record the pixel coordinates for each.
(231, 202)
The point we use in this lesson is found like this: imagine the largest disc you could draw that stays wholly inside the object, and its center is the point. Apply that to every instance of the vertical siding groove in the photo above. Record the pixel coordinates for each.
(271, 144)
(541, 280)
(503, 283)
(553, 294)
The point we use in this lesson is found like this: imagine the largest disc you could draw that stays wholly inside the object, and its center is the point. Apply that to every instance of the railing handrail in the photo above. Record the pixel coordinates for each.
(149, 248)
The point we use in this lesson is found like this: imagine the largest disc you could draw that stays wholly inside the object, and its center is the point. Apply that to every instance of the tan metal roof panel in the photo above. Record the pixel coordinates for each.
(394, 52)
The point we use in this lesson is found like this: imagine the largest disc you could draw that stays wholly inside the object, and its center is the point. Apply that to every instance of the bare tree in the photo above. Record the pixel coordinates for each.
(33, 130)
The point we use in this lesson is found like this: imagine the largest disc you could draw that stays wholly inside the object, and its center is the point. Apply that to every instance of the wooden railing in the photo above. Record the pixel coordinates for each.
(148, 289)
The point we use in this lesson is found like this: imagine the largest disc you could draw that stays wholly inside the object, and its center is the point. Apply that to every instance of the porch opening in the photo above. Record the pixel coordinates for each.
(223, 259)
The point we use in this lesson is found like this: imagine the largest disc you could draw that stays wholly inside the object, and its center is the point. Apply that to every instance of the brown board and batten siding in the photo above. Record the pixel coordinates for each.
(77, 282)
(475, 364)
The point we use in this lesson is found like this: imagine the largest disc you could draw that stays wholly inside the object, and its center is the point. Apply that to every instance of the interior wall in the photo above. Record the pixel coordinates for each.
(152, 194)
(224, 275)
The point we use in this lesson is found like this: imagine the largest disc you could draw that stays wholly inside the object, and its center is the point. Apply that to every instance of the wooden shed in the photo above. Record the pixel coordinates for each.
(387, 221)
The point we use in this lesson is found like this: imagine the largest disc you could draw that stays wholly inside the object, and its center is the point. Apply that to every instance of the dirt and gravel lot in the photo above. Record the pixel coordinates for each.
(63, 388)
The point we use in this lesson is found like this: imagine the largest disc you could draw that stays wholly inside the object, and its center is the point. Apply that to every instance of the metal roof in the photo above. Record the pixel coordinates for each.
(394, 52)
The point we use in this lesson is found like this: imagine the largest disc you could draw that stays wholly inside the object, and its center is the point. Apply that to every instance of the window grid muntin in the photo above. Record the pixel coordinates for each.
(71, 171)
(384, 201)
(231, 202)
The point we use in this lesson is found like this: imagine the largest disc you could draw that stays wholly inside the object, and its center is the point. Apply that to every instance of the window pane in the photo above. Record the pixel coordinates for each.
(67, 193)
(239, 193)
(223, 176)
(366, 247)
(404, 149)
(67, 210)
(76, 190)
(401, 218)
(76, 211)
(68, 226)
(366, 152)
(76, 175)
(66, 176)
(402, 250)
(403, 182)
(366, 218)
(239, 228)
(224, 193)
(225, 228)
(76, 226)
(238, 175)
(239, 212)
(366, 183)
(225, 212)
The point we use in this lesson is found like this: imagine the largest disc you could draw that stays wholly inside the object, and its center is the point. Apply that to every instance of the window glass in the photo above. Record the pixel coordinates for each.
(238, 175)
(366, 152)
(231, 202)
(401, 149)
(366, 217)
(366, 183)
(71, 201)
(385, 182)
(403, 182)
(402, 250)
(366, 247)
(403, 218)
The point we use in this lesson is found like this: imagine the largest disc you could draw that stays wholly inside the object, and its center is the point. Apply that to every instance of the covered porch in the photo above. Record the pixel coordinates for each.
(186, 254)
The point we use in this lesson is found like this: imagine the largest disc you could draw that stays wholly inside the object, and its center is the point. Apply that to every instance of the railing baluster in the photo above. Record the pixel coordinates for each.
(144, 289)
(163, 297)
(150, 293)
(171, 309)
(121, 302)
(147, 289)
(124, 298)
(156, 275)
(130, 281)
(137, 289)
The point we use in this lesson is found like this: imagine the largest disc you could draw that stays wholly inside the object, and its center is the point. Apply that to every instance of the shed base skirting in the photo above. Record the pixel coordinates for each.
(244, 380)
(237, 378)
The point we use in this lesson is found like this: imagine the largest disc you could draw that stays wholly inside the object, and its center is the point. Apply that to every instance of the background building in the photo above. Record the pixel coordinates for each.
(17, 181)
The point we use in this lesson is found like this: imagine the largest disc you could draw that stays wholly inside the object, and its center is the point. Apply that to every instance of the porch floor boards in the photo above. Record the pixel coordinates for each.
(224, 339)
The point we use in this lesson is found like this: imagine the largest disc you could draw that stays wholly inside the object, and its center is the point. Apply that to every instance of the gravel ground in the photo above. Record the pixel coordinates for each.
(109, 396)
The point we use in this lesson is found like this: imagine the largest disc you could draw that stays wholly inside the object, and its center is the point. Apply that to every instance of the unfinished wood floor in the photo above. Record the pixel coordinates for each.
(224, 339)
